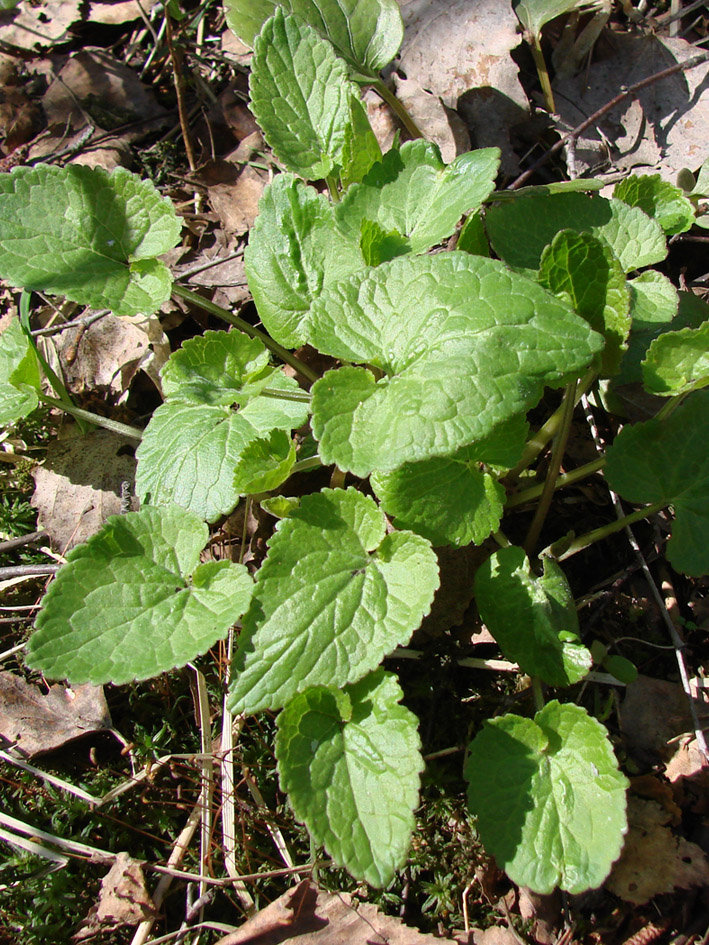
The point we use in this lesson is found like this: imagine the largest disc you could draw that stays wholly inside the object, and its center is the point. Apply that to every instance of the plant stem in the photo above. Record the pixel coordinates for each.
(332, 188)
(398, 108)
(568, 479)
(301, 396)
(537, 693)
(669, 408)
(283, 353)
(539, 440)
(557, 454)
(304, 465)
(542, 71)
(337, 480)
(113, 425)
(590, 538)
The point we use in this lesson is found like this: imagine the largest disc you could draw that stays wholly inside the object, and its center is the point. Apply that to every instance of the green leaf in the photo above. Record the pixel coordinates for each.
(280, 506)
(449, 500)
(653, 305)
(585, 272)
(535, 14)
(300, 96)
(464, 345)
(472, 237)
(265, 463)
(134, 601)
(677, 362)
(519, 230)
(659, 199)
(192, 447)
(668, 461)
(217, 368)
(623, 670)
(294, 251)
(367, 33)
(350, 762)
(88, 235)
(549, 798)
(532, 618)
(361, 149)
(334, 595)
(413, 193)
(19, 375)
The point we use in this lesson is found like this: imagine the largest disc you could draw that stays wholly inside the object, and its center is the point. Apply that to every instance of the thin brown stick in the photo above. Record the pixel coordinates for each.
(599, 113)
(30, 539)
(22, 570)
(176, 59)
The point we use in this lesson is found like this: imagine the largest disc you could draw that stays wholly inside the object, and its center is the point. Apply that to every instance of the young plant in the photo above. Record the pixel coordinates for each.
(437, 358)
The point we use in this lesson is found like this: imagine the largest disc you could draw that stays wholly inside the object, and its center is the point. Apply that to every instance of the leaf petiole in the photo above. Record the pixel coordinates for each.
(122, 429)
(590, 538)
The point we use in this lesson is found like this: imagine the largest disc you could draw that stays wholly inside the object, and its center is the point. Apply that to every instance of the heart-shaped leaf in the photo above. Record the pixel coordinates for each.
(334, 595)
(134, 601)
(659, 199)
(349, 760)
(677, 362)
(549, 798)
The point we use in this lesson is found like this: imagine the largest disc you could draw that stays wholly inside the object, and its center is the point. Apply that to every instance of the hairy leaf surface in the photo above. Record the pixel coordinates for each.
(134, 601)
(349, 760)
(334, 595)
(532, 618)
(653, 305)
(668, 461)
(549, 799)
(413, 193)
(463, 343)
(88, 235)
(519, 230)
(193, 445)
(678, 362)
(300, 96)
(450, 500)
(586, 273)
(367, 33)
(294, 251)
(659, 199)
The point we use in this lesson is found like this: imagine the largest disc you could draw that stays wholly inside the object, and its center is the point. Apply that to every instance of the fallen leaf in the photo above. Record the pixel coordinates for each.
(236, 202)
(123, 900)
(234, 49)
(654, 712)
(453, 597)
(688, 773)
(32, 25)
(39, 722)
(117, 12)
(104, 356)
(662, 126)
(543, 912)
(460, 51)
(438, 123)
(495, 935)
(79, 485)
(654, 860)
(311, 916)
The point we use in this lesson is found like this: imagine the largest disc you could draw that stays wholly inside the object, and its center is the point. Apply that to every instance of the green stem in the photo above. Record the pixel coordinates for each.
(303, 465)
(669, 408)
(283, 353)
(337, 479)
(302, 396)
(539, 440)
(542, 71)
(557, 454)
(568, 479)
(537, 693)
(590, 538)
(332, 188)
(398, 108)
(113, 425)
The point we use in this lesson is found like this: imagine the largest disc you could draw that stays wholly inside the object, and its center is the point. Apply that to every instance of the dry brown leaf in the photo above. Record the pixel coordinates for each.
(236, 203)
(234, 49)
(79, 485)
(654, 860)
(119, 11)
(460, 51)
(654, 712)
(496, 935)
(40, 722)
(453, 597)
(438, 123)
(663, 126)
(123, 900)
(688, 773)
(33, 25)
(104, 356)
(309, 916)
